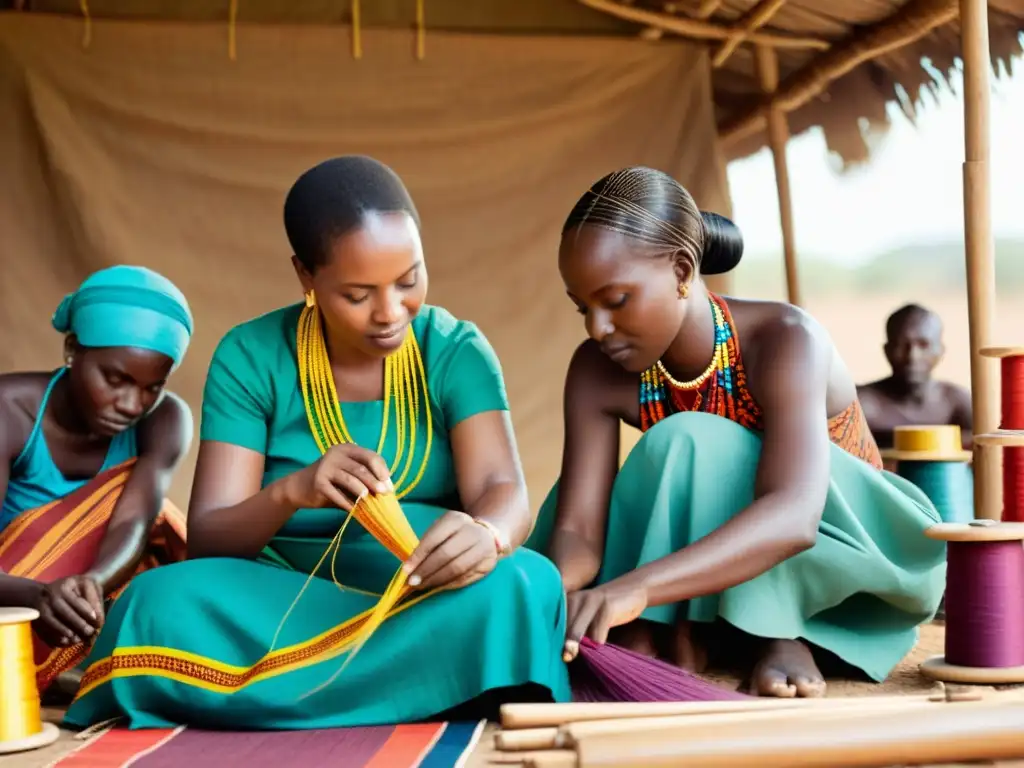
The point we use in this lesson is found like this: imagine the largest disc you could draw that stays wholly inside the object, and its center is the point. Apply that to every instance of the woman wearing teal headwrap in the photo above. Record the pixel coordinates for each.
(86, 458)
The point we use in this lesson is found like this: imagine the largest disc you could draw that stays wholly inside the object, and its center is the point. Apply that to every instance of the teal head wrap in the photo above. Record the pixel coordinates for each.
(128, 307)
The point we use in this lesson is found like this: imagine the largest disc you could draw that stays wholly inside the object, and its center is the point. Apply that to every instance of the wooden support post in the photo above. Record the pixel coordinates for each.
(980, 252)
(767, 64)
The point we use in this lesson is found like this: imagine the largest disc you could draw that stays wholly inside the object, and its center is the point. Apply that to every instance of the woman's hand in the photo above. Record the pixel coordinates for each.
(341, 477)
(592, 612)
(455, 552)
(70, 610)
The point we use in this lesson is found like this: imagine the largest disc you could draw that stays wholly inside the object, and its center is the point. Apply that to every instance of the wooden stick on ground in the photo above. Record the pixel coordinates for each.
(986, 730)
(547, 758)
(515, 716)
(724, 725)
(526, 739)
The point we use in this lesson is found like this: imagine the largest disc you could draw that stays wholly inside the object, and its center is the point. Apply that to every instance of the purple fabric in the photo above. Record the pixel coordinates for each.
(350, 747)
(611, 673)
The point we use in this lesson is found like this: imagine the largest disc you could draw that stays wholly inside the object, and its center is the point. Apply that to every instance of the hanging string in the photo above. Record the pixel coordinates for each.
(1012, 370)
(232, 19)
(357, 35)
(984, 609)
(948, 484)
(21, 722)
(87, 31)
(421, 30)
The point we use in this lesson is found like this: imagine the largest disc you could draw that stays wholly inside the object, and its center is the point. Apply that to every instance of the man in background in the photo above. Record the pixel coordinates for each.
(910, 396)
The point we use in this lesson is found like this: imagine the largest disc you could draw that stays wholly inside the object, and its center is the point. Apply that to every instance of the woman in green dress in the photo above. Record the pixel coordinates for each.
(754, 507)
(225, 639)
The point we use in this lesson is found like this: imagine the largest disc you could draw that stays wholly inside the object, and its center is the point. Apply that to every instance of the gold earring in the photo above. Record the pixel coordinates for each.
(683, 290)
(310, 298)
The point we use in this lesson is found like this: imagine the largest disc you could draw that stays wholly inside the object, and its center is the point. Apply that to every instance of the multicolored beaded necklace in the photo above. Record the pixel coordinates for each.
(720, 389)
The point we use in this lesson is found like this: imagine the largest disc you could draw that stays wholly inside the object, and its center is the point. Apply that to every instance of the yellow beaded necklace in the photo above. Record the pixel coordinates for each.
(405, 385)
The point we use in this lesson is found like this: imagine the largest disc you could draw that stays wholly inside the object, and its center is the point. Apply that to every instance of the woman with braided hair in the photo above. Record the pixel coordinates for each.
(754, 507)
(362, 388)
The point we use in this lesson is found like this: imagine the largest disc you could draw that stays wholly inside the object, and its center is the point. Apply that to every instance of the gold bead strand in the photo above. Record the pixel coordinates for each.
(328, 391)
(425, 399)
(307, 369)
(405, 367)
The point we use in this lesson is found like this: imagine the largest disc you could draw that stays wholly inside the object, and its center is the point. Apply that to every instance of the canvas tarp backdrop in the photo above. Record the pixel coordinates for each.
(151, 147)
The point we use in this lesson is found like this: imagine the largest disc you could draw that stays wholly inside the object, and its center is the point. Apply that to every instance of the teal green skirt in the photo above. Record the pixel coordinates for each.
(860, 592)
(180, 645)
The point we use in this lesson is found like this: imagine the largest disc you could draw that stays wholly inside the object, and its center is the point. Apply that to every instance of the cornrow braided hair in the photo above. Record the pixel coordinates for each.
(652, 207)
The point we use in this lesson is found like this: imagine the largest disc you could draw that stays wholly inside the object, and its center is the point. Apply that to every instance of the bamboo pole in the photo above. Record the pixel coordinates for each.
(766, 62)
(725, 725)
(699, 29)
(989, 730)
(980, 252)
(535, 716)
(707, 8)
(752, 20)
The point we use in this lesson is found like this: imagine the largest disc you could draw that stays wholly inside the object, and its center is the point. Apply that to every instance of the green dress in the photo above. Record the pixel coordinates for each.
(180, 645)
(860, 592)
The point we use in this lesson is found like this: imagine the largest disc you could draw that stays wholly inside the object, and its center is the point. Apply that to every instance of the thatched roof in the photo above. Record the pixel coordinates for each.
(840, 61)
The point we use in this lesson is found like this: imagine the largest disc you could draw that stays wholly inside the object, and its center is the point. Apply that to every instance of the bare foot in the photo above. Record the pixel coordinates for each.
(637, 636)
(787, 670)
(685, 651)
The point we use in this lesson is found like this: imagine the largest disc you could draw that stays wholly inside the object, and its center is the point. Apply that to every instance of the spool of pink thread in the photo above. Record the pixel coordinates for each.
(984, 604)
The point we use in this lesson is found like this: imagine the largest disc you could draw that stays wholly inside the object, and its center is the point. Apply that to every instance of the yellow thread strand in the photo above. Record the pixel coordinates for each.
(357, 35)
(87, 31)
(20, 713)
(333, 545)
(395, 591)
(232, 19)
(421, 31)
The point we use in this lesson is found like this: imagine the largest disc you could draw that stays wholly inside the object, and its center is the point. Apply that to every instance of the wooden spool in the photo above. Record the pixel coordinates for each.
(938, 442)
(1002, 438)
(937, 667)
(11, 699)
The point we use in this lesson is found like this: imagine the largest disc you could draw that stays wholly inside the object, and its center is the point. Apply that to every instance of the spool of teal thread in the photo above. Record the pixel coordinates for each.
(949, 485)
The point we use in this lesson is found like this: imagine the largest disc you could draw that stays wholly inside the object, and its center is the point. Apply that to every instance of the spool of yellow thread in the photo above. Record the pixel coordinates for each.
(21, 723)
(940, 442)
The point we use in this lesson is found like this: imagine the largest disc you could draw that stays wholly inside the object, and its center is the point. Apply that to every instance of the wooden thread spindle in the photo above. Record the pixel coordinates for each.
(984, 609)
(21, 724)
(1010, 435)
(933, 459)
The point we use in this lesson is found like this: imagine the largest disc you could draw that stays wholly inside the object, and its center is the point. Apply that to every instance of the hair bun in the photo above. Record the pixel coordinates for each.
(723, 244)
